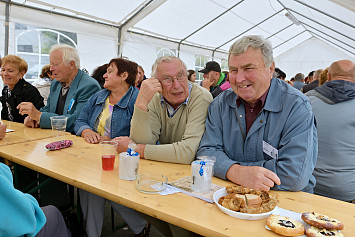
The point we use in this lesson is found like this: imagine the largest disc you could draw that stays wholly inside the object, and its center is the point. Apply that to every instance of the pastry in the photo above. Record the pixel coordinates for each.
(253, 200)
(246, 200)
(284, 225)
(313, 231)
(321, 221)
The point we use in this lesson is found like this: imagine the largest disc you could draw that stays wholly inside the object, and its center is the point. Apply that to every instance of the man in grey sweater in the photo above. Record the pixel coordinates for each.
(333, 105)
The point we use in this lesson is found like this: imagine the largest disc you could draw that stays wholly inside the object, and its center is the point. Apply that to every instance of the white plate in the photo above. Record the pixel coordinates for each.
(222, 192)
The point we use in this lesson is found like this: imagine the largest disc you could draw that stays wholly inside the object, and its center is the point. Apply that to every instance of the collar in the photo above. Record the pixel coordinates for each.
(273, 103)
(18, 87)
(261, 99)
(220, 80)
(123, 102)
(171, 111)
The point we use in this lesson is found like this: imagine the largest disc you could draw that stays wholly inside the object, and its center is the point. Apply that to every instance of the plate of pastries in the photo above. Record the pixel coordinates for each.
(244, 203)
(317, 225)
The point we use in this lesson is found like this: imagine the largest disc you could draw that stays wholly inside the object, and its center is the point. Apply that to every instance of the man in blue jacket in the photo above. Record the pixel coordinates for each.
(262, 130)
(69, 92)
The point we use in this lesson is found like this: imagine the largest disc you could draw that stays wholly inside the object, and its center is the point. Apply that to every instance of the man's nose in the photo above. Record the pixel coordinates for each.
(176, 83)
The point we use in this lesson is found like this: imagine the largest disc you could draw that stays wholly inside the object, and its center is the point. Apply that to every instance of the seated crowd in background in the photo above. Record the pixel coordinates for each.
(173, 119)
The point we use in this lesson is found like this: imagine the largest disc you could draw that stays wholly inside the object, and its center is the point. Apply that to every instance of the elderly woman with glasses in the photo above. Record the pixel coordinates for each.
(108, 115)
(16, 89)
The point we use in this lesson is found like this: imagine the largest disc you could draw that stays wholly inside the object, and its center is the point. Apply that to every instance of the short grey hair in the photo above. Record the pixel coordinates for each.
(165, 59)
(317, 73)
(69, 54)
(299, 77)
(255, 41)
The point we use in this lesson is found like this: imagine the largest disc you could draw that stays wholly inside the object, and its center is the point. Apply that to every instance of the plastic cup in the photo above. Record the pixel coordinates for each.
(108, 154)
(128, 166)
(202, 173)
(59, 124)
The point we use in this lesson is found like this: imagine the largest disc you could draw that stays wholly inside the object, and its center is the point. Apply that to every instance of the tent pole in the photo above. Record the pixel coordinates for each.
(332, 42)
(249, 29)
(329, 36)
(290, 39)
(280, 31)
(119, 43)
(226, 11)
(315, 9)
(7, 22)
(321, 24)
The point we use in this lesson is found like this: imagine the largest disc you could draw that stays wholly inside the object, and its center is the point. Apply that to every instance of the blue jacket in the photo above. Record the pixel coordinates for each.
(121, 114)
(286, 122)
(20, 213)
(82, 88)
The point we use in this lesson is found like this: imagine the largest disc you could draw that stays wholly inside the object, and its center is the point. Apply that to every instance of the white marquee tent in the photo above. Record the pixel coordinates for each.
(306, 35)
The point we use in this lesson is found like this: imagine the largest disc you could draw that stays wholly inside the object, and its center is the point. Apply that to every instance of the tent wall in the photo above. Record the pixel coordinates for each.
(143, 50)
(97, 44)
(310, 55)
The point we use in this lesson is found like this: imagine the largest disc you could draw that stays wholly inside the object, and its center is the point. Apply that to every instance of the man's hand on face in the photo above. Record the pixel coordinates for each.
(207, 82)
(148, 89)
(255, 177)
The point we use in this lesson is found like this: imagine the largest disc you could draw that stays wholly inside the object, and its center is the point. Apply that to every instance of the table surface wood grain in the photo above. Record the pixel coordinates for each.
(80, 166)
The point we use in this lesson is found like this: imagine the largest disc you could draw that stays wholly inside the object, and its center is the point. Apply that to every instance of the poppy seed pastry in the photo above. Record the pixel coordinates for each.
(284, 225)
(313, 231)
(321, 221)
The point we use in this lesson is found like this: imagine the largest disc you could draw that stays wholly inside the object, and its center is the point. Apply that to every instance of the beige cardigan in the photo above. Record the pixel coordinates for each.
(179, 136)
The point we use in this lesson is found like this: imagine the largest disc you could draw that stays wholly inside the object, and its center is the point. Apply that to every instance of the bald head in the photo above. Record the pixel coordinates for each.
(342, 70)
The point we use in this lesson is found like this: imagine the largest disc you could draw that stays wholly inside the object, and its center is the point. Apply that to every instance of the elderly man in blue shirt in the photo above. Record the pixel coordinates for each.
(261, 131)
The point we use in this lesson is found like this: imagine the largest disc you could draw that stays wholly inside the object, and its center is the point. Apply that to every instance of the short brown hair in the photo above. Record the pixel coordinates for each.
(19, 62)
(45, 70)
(124, 65)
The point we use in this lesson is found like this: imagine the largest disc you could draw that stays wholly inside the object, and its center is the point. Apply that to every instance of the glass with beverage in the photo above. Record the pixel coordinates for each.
(108, 154)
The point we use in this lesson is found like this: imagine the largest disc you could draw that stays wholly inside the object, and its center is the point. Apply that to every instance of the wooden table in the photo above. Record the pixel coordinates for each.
(23, 133)
(80, 166)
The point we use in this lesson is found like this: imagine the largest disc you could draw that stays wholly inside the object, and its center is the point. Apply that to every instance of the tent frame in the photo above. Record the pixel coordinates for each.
(127, 25)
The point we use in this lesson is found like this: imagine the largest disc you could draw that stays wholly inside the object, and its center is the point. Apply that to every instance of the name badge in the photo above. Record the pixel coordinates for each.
(270, 150)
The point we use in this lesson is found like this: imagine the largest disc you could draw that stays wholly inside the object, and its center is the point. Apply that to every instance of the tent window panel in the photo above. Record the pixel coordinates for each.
(165, 52)
(48, 39)
(200, 62)
(34, 43)
(224, 65)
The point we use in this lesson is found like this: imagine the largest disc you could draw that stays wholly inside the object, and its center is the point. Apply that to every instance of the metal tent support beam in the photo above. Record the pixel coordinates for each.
(145, 10)
(207, 24)
(340, 41)
(332, 43)
(173, 41)
(280, 30)
(321, 24)
(59, 14)
(324, 13)
(7, 22)
(289, 39)
(214, 50)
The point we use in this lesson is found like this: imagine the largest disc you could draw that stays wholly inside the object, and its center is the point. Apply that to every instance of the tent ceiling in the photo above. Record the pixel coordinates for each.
(215, 24)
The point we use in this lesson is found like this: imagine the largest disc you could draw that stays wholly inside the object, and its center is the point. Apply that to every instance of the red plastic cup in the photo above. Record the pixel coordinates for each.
(108, 154)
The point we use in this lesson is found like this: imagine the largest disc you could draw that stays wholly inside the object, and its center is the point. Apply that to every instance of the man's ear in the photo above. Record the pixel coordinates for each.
(272, 69)
(72, 64)
(329, 77)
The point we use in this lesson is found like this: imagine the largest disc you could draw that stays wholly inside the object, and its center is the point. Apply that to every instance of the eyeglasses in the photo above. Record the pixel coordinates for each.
(168, 81)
